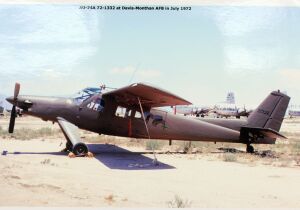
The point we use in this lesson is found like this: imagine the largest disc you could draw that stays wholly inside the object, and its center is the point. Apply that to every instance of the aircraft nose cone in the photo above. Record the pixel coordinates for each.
(10, 99)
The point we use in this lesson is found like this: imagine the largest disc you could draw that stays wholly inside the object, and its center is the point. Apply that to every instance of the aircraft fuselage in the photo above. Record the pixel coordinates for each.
(113, 119)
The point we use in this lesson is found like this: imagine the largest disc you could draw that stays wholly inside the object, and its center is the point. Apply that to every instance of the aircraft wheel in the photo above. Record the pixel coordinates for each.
(69, 146)
(80, 149)
(250, 149)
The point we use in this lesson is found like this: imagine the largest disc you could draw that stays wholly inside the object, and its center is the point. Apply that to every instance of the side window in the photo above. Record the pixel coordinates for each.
(138, 115)
(120, 112)
(128, 113)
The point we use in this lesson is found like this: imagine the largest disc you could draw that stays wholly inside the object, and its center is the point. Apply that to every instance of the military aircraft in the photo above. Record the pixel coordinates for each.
(294, 111)
(230, 109)
(103, 113)
(192, 110)
(224, 109)
(1, 111)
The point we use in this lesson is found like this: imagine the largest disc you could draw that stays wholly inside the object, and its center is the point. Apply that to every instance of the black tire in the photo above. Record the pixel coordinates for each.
(69, 146)
(80, 149)
(250, 149)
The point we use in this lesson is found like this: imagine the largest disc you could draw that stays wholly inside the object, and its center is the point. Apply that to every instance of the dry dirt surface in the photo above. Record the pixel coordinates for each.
(35, 173)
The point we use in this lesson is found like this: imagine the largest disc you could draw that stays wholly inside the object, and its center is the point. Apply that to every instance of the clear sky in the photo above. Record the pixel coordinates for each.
(199, 54)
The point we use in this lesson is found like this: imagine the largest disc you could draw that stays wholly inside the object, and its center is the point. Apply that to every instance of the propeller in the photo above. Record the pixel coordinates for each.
(13, 111)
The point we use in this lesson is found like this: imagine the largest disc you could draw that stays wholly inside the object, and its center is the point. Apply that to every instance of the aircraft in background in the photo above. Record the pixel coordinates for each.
(230, 109)
(294, 111)
(224, 109)
(98, 111)
(5, 107)
(1, 110)
(192, 110)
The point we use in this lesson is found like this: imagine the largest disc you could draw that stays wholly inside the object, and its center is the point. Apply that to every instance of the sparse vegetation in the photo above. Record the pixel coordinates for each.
(46, 161)
(178, 202)
(296, 148)
(187, 147)
(229, 157)
(28, 134)
(2, 132)
(153, 144)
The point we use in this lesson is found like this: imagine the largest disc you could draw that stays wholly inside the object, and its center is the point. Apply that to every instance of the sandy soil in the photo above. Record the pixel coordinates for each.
(34, 173)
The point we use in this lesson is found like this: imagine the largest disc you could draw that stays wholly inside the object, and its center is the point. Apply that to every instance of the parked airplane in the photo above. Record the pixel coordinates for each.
(192, 110)
(1, 110)
(5, 108)
(98, 112)
(3, 103)
(294, 111)
(229, 108)
(225, 109)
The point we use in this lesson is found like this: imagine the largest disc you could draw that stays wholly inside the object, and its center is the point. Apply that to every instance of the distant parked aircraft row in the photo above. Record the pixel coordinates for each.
(294, 111)
(226, 109)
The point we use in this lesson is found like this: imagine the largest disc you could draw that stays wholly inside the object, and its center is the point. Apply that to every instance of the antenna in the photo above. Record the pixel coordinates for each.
(133, 73)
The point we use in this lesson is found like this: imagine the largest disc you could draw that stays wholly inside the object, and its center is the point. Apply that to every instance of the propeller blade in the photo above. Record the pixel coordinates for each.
(12, 120)
(17, 90)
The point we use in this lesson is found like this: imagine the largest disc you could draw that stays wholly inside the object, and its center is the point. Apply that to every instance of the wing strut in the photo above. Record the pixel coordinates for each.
(142, 113)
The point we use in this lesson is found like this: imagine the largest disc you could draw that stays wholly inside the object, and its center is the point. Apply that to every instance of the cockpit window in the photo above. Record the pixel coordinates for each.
(86, 93)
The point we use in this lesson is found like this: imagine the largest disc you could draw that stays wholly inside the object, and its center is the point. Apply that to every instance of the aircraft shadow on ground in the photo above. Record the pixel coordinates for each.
(33, 153)
(115, 157)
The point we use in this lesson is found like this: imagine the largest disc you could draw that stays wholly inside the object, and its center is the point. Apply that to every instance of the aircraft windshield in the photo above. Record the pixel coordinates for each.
(86, 93)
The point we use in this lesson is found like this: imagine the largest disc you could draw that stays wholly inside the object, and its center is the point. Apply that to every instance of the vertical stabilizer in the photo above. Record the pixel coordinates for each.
(270, 113)
(230, 98)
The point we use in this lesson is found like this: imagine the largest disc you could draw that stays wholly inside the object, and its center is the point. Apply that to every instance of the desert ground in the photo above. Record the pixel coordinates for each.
(33, 171)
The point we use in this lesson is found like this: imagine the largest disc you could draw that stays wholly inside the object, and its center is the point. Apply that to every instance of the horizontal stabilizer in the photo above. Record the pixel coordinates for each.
(263, 132)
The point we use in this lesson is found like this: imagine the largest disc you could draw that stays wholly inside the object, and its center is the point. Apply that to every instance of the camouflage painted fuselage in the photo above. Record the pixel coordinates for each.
(161, 124)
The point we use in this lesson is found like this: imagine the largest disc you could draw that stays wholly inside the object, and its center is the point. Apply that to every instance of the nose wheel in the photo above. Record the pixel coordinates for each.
(249, 148)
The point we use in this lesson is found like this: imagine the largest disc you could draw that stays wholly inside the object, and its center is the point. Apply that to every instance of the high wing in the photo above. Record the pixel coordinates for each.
(148, 95)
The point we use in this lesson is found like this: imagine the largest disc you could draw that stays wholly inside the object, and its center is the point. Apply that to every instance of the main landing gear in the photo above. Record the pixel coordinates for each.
(79, 150)
(250, 148)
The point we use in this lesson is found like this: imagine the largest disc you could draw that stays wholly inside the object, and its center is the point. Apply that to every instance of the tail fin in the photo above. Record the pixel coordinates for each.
(269, 114)
(230, 99)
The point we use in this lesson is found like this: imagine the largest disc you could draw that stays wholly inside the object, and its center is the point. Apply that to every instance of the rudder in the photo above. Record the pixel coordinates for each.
(270, 113)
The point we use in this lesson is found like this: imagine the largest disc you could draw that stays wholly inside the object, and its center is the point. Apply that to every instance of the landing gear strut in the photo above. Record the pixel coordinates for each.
(250, 148)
